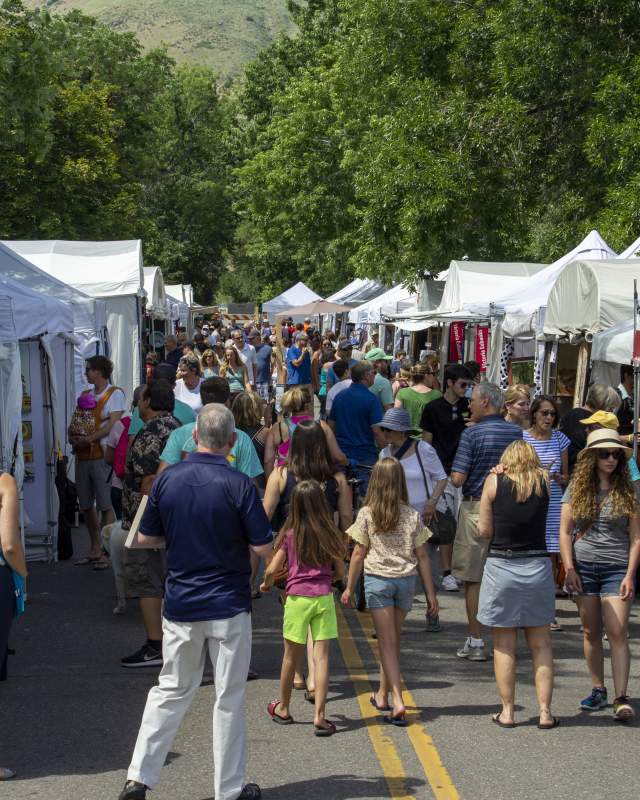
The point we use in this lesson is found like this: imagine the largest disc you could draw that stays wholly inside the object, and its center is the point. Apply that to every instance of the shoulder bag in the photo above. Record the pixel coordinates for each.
(443, 524)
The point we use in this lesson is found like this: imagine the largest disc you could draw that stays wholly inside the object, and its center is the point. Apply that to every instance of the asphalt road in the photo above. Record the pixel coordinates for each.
(69, 713)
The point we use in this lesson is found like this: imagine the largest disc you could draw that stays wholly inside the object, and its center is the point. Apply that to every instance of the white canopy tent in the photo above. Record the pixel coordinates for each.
(37, 397)
(392, 301)
(633, 251)
(156, 305)
(180, 299)
(591, 296)
(297, 295)
(89, 315)
(359, 291)
(111, 271)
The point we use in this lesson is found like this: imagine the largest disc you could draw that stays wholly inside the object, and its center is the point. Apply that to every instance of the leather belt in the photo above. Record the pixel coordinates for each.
(470, 498)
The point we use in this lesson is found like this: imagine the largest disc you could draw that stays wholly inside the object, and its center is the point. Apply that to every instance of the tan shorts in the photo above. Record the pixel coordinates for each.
(144, 572)
(469, 550)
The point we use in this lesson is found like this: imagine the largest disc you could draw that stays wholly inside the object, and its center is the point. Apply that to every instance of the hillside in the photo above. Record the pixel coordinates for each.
(223, 34)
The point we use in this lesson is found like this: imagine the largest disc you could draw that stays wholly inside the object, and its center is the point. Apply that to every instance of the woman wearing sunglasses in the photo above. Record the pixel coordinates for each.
(552, 448)
(600, 546)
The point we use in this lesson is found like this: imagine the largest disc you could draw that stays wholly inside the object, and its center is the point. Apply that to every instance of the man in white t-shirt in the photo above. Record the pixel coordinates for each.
(92, 473)
(247, 353)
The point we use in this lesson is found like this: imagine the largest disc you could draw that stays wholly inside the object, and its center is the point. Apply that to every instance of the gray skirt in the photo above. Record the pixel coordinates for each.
(517, 593)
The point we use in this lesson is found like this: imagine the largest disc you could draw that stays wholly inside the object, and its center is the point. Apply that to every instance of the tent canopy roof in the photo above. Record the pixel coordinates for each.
(182, 292)
(35, 313)
(392, 301)
(156, 297)
(615, 344)
(296, 295)
(315, 309)
(591, 296)
(100, 269)
(358, 292)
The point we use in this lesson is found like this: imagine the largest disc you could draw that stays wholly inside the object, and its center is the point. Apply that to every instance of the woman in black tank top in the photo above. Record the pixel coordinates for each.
(308, 458)
(517, 589)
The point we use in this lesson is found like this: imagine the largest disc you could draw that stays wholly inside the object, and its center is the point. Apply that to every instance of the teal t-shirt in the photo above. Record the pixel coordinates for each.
(382, 390)
(243, 454)
(181, 411)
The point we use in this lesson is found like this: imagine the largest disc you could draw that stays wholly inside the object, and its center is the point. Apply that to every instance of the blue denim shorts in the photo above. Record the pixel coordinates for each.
(385, 592)
(600, 580)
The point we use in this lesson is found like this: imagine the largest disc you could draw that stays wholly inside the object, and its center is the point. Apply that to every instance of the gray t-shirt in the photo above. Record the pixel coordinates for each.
(607, 540)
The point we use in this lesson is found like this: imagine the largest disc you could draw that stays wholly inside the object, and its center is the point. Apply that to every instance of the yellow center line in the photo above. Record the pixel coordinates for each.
(384, 748)
(426, 750)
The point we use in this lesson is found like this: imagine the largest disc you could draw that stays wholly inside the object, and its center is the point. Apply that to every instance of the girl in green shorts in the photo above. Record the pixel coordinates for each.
(313, 551)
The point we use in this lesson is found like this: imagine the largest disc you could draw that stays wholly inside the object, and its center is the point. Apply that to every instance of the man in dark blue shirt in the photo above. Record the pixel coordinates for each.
(481, 448)
(354, 416)
(210, 515)
(263, 361)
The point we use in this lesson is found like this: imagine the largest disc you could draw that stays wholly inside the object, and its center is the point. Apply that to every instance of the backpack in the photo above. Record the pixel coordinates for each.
(120, 453)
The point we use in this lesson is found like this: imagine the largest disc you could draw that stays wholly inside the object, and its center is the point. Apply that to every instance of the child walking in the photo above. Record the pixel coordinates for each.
(313, 550)
(390, 537)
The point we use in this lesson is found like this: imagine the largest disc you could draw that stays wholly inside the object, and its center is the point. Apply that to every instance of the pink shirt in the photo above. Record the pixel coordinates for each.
(304, 580)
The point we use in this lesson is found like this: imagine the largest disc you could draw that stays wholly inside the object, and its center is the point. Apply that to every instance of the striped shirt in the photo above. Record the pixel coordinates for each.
(550, 454)
(481, 447)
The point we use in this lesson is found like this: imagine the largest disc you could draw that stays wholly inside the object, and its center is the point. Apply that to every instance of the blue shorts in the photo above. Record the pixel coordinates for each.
(600, 580)
(389, 592)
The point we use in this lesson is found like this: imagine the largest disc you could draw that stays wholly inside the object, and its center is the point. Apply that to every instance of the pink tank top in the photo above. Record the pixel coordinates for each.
(283, 447)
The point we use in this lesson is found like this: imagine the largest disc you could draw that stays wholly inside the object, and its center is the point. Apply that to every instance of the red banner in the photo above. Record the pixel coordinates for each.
(482, 344)
(456, 341)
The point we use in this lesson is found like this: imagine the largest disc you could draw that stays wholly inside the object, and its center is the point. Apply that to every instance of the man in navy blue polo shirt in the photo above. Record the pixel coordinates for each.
(354, 416)
(210, 515)
(481, 448)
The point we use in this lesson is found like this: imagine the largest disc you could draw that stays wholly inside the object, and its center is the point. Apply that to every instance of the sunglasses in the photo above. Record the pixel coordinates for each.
(547, 413)
(603, 455)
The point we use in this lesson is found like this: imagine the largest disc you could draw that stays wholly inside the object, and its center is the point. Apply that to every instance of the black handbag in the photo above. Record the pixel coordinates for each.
(443, 523)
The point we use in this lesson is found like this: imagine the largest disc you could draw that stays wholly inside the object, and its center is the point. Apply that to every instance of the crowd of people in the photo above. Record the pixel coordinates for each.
(255, 460)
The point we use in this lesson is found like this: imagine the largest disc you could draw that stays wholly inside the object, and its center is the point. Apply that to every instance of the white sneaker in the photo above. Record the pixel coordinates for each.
(120, 606)
(450, 584)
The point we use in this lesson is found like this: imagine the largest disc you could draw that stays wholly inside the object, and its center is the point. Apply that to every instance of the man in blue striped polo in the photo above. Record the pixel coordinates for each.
(481, 447)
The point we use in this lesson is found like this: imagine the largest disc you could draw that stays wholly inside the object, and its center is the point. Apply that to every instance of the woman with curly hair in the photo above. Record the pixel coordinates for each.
(600, 548)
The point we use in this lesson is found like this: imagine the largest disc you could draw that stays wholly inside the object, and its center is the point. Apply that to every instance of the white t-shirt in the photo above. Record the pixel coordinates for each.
(117, 402)
(213, 338)
(335, 390)
(249, 359)
(189, 396)
(413, 475)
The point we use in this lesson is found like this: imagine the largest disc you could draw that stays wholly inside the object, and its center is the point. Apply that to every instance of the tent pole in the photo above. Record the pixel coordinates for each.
(636, 371)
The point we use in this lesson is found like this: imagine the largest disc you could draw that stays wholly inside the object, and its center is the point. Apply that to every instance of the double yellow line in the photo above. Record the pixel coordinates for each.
(384, 748)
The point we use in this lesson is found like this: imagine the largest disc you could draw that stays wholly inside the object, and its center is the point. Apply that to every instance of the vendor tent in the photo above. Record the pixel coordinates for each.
(392, 301)
(358, 292)
(615, 344)
(156, 305)
(633, 251)
(591, 296)
(297, 295)
(111, 271)
(180, 298)
(36, 363)
(89, 315)
(315, 309)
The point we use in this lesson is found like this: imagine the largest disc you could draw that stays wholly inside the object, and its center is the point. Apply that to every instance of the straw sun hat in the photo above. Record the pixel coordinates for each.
(605, 439)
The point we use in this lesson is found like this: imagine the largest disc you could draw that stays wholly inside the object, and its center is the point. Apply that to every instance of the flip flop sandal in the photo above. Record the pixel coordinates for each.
(6, 774)
(553, 724)
(373, 702)
(99, 566)
(399, 721)
(319, 730)
(271, 711)
(496, 718)
(83, 562)
(310, 697)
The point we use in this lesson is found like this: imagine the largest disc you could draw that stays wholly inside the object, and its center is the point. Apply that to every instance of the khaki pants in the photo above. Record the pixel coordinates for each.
(469, 550)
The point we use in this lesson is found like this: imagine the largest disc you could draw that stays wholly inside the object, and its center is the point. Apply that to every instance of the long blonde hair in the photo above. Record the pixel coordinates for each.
(519, 391)
(524, 470)
(387, 493)
(621, 499)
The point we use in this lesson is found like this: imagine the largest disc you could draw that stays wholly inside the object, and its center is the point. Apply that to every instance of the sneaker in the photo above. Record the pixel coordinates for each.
(596, 700)
(464, 651)
(433, 624)
(478, 653)
(120, 606)
(133, 791)
(622, 711)
(250, 791)
(146, 656)
(450, 584)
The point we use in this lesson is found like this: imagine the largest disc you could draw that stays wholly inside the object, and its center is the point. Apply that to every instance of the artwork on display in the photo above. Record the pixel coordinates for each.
(27, 430)
(25, 370)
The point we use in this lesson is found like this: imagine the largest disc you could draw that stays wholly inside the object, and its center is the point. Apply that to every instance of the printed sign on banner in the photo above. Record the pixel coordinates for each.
(456, 341)
(482, 341)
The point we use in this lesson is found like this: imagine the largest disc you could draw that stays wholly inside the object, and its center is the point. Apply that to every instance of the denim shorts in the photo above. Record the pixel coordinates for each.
(600, 580)
(385, 592)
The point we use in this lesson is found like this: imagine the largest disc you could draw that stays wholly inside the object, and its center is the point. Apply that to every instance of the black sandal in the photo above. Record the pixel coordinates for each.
(553, 724)
(498, 721)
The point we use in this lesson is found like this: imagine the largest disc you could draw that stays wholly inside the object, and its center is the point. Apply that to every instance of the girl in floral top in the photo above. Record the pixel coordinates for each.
(390, 538)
